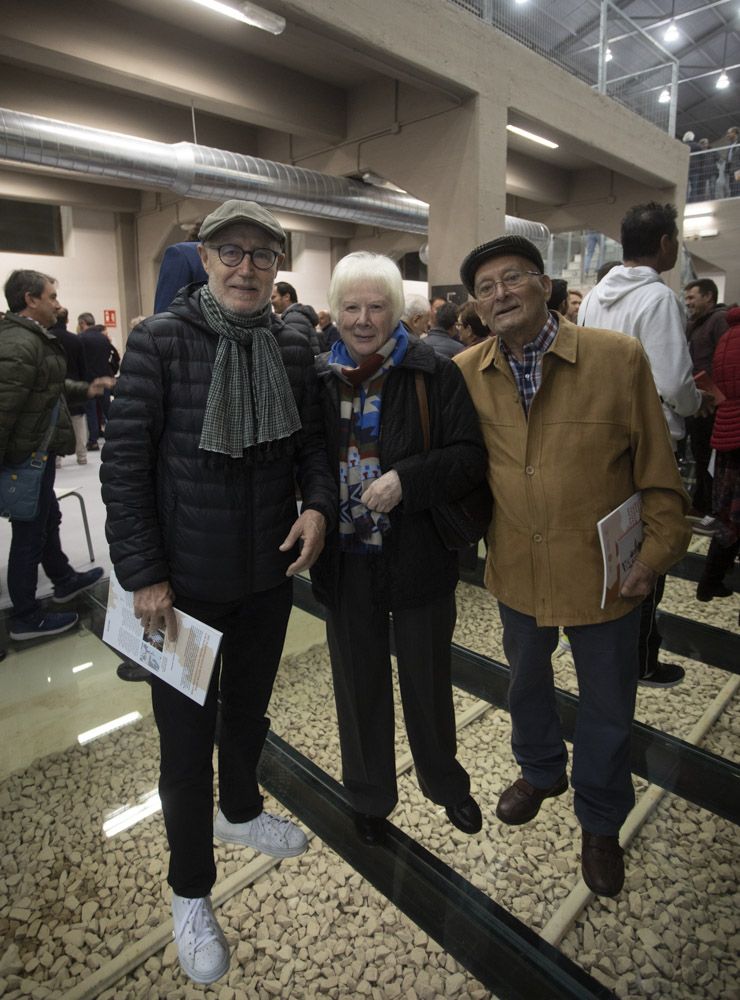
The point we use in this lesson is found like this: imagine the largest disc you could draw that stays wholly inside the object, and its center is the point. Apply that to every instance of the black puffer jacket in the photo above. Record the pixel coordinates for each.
(209, 524)
(305, 319)
(414, 568)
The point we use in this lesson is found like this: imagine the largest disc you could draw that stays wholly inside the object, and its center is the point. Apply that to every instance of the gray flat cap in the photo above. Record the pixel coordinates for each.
(235, 210)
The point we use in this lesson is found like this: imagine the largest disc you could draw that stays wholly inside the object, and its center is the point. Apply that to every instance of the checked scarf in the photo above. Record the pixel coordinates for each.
(361, 530)
(250, 402)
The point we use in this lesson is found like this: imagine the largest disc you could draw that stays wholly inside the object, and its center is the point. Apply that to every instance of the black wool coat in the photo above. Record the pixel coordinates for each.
(414, 568)
(209, 524)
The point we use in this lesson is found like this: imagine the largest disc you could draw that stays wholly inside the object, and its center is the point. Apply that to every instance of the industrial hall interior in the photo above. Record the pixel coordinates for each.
(370, 629)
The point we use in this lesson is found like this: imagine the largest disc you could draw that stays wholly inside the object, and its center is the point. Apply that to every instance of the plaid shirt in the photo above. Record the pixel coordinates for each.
(528, 373)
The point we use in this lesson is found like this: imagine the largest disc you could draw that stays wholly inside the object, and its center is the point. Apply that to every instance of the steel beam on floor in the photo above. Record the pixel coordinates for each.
(716, 647)
(704, 778)
(494, 946)
(691, 568)
(706, 643)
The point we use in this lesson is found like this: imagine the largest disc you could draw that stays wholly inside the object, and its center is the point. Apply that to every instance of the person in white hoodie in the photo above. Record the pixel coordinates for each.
(632, 299)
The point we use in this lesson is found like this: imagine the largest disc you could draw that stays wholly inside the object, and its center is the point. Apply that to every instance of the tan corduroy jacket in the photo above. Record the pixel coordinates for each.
(595, 434)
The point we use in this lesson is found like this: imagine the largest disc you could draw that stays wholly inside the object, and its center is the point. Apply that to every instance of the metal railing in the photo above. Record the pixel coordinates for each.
(597, 43)
(714, 173)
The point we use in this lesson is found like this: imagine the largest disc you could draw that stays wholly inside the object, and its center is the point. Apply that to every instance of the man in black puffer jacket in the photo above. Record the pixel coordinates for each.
(296, 314)
(216, 416)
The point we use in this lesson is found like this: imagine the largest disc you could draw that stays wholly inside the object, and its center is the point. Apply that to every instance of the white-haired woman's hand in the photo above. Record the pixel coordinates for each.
(383, 494)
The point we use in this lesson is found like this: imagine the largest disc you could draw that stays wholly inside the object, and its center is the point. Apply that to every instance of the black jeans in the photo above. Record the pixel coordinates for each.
(33, 543)
(253, 637)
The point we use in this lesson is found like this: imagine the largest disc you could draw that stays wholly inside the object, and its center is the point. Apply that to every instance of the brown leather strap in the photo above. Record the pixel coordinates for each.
(421, 395)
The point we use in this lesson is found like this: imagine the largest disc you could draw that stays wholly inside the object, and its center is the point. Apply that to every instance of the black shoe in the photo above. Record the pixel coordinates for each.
(128, 671)
(371, 829)
(665, 675)
(93, 447)
(466, 816)
(707, 591)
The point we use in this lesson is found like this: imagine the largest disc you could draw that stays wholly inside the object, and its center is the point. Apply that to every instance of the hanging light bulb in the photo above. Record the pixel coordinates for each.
(723, 81)
(671, 33)
(665, 96)
(608, 55)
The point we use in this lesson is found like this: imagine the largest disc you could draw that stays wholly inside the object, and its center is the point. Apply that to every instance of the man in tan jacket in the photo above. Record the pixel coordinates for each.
(574, 426)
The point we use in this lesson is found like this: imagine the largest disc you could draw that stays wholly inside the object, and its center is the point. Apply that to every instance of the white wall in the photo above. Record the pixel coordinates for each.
(311, 269)
(87, 273)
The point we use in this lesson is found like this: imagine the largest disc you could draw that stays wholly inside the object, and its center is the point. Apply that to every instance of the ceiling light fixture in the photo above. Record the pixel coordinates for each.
(531, 136)
(664, 97)
(248, 13)
(608, 55)
(723, 80)
(671, 33)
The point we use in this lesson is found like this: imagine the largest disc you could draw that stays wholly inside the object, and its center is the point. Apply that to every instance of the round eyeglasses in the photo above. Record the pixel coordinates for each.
(510, 280)
(232, 256)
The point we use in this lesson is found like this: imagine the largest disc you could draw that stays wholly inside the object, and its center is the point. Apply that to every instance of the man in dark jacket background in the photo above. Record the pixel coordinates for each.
(303, 317)
(97, 349)
(77, 371)
(443, 331)
(216, 416)
(707, 323)
(34, 390)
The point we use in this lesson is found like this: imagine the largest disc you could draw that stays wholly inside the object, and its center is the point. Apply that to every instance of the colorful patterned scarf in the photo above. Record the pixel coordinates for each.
(361, 530)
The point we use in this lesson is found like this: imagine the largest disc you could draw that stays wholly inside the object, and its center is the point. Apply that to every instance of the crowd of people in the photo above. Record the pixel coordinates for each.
(714, 168)
(233, 400)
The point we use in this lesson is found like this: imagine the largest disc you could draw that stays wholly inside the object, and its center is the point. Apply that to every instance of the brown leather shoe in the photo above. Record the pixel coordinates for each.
(602, 864)
(521, 802)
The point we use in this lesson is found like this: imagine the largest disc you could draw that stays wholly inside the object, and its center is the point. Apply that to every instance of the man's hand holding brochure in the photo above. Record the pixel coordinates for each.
(620, 535)
(185, 662)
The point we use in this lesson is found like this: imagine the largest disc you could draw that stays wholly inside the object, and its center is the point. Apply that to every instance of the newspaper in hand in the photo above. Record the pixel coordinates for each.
(186, 664)
(620, 535)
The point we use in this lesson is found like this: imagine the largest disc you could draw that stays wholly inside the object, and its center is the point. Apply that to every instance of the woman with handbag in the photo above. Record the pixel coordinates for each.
(386, 555)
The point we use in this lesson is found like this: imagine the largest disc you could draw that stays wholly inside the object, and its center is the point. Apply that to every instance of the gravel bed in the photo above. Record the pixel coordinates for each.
(70, 900)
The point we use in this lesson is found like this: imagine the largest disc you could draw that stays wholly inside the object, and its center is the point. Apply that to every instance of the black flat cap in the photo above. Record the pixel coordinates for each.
(504, 245)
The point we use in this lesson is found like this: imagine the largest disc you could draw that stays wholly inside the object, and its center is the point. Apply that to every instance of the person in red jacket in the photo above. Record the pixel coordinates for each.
(725, 545)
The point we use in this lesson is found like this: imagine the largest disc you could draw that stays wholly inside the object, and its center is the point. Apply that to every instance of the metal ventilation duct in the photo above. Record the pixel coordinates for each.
(202, 172)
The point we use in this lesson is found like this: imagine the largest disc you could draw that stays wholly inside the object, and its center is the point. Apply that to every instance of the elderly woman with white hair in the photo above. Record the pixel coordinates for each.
(386, 555)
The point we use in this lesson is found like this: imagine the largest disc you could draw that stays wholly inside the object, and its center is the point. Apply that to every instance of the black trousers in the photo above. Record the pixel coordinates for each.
(357, 631)
(700, 433)
(650, 637)
(253, 636)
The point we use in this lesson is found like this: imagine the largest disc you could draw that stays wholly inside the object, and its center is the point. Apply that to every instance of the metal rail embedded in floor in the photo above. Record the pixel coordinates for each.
(704, 778)
(498, 949)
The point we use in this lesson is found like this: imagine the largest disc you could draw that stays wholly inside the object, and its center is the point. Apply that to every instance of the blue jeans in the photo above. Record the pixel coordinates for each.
(606, 662)
(33, 543)
(93, 427)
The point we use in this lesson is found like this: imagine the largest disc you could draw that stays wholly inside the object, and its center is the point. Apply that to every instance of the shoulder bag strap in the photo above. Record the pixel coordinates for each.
(44, 446)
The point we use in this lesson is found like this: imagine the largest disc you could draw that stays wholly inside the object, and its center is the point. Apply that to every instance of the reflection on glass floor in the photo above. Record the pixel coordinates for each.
(78, 907)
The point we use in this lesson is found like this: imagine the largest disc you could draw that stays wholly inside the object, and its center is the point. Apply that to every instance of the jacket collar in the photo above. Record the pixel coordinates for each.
(418, 357)
(30, 324)
(565, 346)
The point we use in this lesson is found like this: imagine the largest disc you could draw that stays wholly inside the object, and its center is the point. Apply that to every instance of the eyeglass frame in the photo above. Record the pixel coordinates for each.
(507, 286)
(246, 253)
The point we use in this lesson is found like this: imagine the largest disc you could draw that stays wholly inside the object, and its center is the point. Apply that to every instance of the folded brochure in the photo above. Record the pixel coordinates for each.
(620, 535)
(186, 664)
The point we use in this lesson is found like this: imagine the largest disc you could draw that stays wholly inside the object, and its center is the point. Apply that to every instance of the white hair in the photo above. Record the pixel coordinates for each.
(415, 305)
(365, 268)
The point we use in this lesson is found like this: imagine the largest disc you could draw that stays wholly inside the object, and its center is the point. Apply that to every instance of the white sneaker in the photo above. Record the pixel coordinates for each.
(201, 945)
(266, 833)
